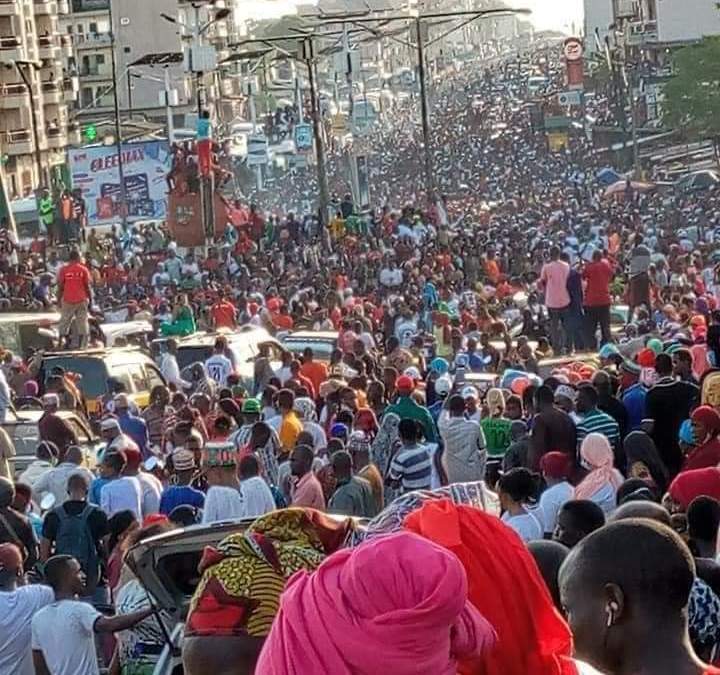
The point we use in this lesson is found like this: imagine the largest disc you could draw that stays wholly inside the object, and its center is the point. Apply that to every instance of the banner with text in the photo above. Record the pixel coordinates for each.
(145, 168)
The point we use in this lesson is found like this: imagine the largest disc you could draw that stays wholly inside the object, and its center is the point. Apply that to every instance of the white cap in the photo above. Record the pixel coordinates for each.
(470, 392)
(51, 399)
(109, 423)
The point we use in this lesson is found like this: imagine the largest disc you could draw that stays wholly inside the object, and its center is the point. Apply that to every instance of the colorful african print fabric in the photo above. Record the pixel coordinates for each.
(242, 578)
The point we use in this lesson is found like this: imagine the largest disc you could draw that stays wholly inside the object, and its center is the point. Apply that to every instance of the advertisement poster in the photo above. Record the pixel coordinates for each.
(145, 166)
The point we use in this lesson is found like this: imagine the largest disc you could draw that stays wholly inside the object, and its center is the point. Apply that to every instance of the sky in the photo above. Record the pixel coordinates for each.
(546, 14)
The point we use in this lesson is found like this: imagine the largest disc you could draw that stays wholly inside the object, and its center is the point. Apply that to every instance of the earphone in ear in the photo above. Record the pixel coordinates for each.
(611, 609)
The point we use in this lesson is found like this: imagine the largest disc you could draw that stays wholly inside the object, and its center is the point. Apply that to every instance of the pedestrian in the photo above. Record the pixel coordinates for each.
(353, 495)
(74, 290)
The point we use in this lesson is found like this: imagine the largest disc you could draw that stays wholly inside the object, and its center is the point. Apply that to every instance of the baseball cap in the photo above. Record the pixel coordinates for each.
(404, 383)
(470, 392)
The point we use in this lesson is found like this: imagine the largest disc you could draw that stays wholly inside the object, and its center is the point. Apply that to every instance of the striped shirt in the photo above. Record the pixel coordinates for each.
(412, 468)
(597, 422)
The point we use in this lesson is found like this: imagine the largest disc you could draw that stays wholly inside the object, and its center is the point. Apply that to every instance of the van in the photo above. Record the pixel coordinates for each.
(243, 348)
(135, 369)
(20, 332)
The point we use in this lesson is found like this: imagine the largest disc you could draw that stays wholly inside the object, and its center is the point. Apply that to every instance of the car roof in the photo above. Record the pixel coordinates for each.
(24, 317)
(33, 416)
(321, 335)
(205, 338)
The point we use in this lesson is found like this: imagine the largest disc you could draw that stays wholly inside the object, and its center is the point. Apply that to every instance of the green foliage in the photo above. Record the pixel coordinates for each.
(692, 96)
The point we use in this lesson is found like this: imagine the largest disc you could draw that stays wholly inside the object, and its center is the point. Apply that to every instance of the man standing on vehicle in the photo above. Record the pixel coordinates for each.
(54, 428)
(74, 291)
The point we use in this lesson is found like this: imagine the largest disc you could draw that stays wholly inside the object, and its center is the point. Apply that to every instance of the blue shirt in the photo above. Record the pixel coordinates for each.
(136, 428)
(634, 401)
(180, 495)
(95, 488)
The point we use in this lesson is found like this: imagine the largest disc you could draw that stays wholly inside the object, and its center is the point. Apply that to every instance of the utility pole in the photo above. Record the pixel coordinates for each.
(323, 190)
(27, 81)
(168, 109)
(425, 114)
(118, 129)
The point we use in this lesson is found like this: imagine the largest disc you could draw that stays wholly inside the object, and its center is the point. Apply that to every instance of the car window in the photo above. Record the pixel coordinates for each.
(25, 438)
(153, 377)
(93, 372)
(122, 374)
(137, 375)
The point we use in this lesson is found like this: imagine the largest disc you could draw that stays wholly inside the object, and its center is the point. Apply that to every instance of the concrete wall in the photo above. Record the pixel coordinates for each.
(598, 14)
(685, 20)
(140, 28)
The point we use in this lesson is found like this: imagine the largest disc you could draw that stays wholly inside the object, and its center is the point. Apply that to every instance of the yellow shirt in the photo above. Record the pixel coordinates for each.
(290, 429)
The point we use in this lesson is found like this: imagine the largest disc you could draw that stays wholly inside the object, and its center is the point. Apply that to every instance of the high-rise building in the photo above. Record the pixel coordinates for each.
(34, 125)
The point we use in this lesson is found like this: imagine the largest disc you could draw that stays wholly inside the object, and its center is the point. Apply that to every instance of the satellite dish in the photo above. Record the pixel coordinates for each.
(47, 502)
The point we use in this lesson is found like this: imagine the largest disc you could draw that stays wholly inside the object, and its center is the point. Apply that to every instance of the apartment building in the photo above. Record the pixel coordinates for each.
(35, 128)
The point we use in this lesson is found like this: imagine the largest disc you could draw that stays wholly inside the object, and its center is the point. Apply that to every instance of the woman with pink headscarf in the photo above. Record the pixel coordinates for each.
(396, 604)
(603, 479)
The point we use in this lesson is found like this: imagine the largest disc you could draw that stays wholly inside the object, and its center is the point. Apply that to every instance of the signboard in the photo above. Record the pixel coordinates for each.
(566, 98)
(557, 122)
(303, 137)
(339, 124)
(145, 167)
(257, 149)
(573, 49)
(557, 141)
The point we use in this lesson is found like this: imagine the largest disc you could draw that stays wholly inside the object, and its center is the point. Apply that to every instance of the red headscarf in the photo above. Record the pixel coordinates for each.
(505, 584)
(696, 483)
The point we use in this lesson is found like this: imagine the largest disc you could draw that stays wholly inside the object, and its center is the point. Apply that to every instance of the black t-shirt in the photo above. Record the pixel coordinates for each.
(97, 520)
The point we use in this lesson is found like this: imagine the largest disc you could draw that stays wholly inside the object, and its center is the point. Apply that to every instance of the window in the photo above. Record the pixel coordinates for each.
(152, 377)
(70, 29)
(100, 59)
(137, 376)
(93, 27)
(86, 97)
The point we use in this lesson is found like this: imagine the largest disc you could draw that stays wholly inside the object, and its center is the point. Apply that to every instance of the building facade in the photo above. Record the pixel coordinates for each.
(35, 127)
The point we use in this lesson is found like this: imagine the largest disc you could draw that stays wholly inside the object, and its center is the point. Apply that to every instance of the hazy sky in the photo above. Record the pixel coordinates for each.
(557, 14)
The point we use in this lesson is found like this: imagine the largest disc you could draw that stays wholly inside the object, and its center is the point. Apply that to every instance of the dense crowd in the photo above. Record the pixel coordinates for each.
(516, 433)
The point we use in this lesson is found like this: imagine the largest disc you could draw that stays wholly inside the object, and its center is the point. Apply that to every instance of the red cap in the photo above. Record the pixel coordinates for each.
(646, 358)
(404, 383)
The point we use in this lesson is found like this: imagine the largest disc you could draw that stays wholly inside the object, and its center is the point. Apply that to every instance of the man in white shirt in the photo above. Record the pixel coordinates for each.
(555, 467)
(46, 454)
(256, 495)
(150, 487)
(122, 492)
(55, 480)
(219, 366)
(18, 605)
(63, 632)
(169, 366)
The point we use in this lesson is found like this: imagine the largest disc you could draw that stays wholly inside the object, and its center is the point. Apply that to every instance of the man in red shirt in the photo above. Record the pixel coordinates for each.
(74, 292)
(223, 312)
(598, 274)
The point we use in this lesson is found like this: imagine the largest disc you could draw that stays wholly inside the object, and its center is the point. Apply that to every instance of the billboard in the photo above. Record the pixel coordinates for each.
(145, 166)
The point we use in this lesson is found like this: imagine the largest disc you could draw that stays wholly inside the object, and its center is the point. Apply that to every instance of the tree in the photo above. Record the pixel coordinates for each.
(692, 96)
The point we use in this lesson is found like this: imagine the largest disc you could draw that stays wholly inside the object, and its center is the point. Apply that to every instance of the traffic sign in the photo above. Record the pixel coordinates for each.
(303, 137)
(257, 149)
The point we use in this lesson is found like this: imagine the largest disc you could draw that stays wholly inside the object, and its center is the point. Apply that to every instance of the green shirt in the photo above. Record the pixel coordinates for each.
(497, 435)
(406, 408)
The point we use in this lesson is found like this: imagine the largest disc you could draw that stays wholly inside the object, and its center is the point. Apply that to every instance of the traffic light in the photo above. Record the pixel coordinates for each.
(90, 132)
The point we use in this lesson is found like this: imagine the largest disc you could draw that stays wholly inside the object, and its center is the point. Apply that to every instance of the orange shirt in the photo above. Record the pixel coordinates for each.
(316, 372)
(224, 314)
(75, 280)
(283, 321)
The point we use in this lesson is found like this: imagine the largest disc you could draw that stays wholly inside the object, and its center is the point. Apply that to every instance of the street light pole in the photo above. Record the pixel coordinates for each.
(118, 129)
(323, 191)
(429, 177)
(33, 115)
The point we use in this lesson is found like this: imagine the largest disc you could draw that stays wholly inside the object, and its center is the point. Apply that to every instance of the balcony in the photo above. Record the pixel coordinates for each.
(17, 141)
(56, 137)
(642, 33)
(96, 72)
(48, 47)
(11, 49)
(92, 41)
(66, 45)
(52, 92)
(71, 87)
(10, 7)
(63, 7)
(625, 9)
(13, 95)
(45, 7)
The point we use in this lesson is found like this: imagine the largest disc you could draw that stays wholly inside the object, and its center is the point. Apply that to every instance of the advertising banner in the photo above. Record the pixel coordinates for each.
(145, 167)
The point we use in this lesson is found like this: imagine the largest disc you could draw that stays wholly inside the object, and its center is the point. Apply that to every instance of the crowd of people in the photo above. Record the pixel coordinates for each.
(508, 463)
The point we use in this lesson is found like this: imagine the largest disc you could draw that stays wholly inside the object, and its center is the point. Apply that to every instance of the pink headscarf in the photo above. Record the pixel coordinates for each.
(396, 604)
(598, 455)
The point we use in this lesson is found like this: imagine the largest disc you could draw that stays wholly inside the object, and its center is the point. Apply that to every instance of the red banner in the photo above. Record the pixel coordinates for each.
(204, 154)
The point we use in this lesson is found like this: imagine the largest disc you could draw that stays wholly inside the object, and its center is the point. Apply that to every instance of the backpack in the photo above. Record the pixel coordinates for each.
(74, 538)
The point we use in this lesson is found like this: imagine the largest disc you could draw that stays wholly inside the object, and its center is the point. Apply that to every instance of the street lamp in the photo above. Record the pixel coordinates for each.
(36, 66)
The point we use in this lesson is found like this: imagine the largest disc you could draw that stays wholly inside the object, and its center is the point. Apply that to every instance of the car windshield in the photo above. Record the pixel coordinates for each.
(186, 356)
(321, 350)
(93, 372)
